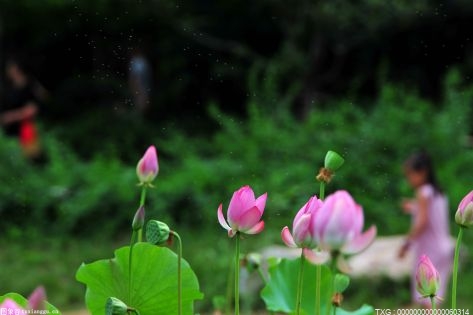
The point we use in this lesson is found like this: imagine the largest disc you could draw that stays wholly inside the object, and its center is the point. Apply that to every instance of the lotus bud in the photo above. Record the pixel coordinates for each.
(427, 277)
(37, 298)
(333, 161)
(148, 167)
(157, 232)
(115, 306)
(464, 215)
(139, 219)
(252, 261)
(341, 282)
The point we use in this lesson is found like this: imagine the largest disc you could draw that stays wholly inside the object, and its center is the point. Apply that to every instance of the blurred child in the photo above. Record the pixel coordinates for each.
(20, 107)
(429, 233)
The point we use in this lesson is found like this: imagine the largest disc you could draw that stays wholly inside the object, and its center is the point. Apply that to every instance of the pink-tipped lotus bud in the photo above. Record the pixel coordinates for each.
(427, 277)
(464, 215)
(139, 219)
(157, 232)
(37, 299)
(148, 167)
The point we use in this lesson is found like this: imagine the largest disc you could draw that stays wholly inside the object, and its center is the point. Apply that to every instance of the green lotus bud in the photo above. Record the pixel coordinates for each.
(139, 219)
(115, 306)
(333, 161)
(341, 282)
(157, 232)
(252, 261)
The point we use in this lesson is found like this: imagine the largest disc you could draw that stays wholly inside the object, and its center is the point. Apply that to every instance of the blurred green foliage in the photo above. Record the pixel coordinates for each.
(271, 150)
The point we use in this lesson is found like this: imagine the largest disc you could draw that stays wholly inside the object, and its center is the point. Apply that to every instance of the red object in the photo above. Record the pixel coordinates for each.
(28, 134)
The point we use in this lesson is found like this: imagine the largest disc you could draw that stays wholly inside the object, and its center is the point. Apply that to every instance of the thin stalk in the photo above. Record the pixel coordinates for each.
(319, 267)
(322, 191)
(237, 274)
(229, 288)
(136, 236)
(455, 269)
(333, 269)
(134, 311)
(179, 273)
(132, 243)
(142, 203)
(318, 270)
(432, 300)
(262, 275)
(299, 286)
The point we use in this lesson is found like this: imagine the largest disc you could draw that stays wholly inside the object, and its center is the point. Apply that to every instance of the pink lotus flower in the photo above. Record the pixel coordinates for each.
(303, 234)
(244, 212)
(9, 305)
(148, 168)
(427, 277)
(338, 225)
(464, 215)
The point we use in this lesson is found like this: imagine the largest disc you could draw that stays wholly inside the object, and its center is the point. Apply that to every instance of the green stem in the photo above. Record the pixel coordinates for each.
(142, 203)
(179, 273)
(132, 310)
(333, 269)
(432, 300)
(237, 274)
(229, 288)
(455, 269)
(132, 243)
(322, 191)
(262, 275)
(318, 269)
(299, 286)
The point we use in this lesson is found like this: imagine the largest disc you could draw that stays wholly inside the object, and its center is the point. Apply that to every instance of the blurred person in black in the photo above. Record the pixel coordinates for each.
(140, 81)
(19, 108)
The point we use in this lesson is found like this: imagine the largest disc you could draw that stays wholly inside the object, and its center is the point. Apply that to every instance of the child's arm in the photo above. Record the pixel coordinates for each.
(421, 220)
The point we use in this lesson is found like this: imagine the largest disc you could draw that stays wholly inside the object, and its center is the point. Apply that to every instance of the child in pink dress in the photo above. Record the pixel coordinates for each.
(429, 233)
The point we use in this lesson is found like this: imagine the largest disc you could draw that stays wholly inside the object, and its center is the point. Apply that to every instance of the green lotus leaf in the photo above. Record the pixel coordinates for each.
(153, 286)
(280, 291)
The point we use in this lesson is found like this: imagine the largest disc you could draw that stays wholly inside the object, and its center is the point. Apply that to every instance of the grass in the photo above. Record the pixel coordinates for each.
(29, 259)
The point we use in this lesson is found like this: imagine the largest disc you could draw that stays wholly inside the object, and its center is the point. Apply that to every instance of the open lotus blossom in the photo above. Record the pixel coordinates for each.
(303, 233)
(464, 214)
(148, 167)
(427, 277)
(338, 225)
(244, 212)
